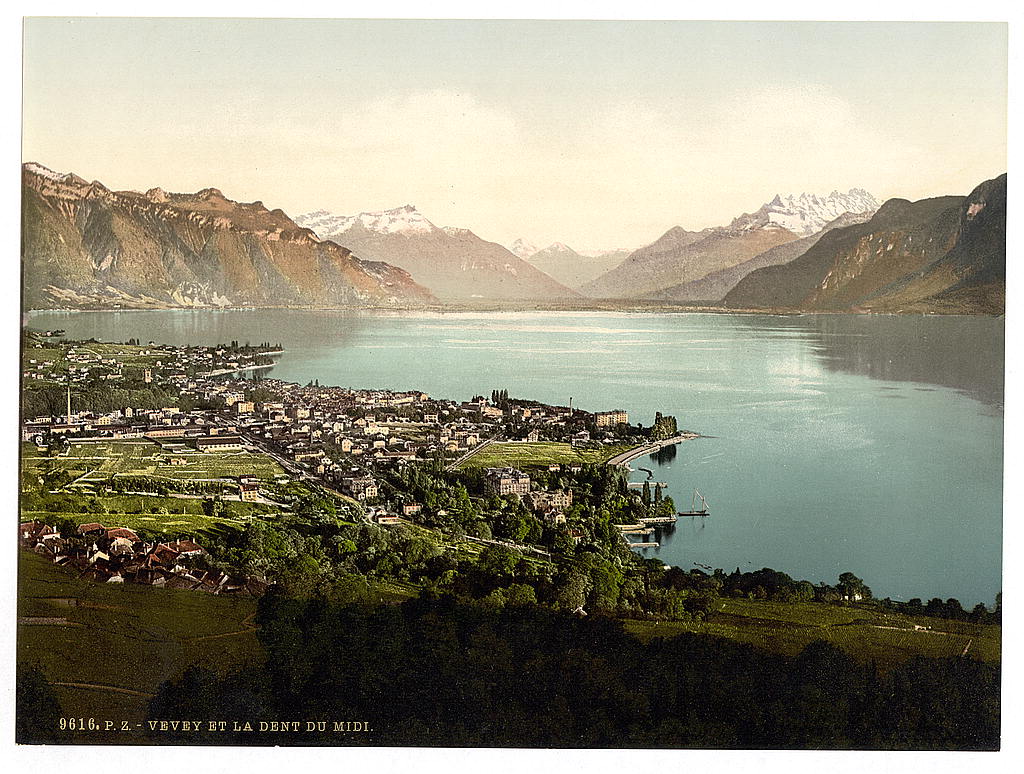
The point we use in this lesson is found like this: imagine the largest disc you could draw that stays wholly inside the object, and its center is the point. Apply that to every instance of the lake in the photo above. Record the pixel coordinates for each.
(869, 444)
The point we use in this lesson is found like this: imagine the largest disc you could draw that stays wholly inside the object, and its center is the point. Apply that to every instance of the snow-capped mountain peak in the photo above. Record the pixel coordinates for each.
(807, 213)
(522, 248)
(49, 174)
(401, 220)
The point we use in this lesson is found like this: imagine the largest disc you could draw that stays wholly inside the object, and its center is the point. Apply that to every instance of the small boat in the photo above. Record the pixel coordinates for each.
(693, 506)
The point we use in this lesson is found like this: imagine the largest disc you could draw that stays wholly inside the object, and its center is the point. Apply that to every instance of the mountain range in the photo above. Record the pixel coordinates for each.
(714, 286)
(454, 263)
(944, 254)
(668, 267)
(84, 245)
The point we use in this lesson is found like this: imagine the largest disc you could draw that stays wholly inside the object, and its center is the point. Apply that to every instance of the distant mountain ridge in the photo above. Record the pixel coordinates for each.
(454, 263)
(85, 245)
(680, 258)
(572, 268)
(522, 248)
(713, 287)
(945, 254)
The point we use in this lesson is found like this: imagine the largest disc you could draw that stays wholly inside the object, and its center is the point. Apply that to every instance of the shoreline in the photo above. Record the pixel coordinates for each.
(624, 458)
(525, 307)
(225, 371)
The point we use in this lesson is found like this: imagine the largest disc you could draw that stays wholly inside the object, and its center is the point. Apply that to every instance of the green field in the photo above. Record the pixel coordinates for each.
(123, 637)
(99, 460)
(788, 628)
(540, 454)
(155, 524)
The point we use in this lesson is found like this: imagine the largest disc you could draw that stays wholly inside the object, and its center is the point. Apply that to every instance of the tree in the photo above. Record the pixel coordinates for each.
(498, 561)
(852, 587)
(700, 604)
(520, 594)
(37, 710)
(213, 507)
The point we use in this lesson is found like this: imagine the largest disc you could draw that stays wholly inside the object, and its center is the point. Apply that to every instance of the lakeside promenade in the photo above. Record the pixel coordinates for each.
(649, 448)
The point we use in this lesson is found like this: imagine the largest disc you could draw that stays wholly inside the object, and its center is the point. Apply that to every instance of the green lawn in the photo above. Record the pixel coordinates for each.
(788, 628)
(127, 636)
(540, 454)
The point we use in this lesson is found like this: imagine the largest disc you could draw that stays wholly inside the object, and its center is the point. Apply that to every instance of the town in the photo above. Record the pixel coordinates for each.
(231, 449)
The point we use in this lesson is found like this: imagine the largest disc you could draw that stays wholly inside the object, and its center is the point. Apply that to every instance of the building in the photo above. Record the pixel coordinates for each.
(557, 500)
(359, 487)
(219, 443)
(611, 418)
(506, 481)
(248, 491)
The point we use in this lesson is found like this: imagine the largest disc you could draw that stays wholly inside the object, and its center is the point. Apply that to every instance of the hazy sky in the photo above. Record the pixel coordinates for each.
(597, 134)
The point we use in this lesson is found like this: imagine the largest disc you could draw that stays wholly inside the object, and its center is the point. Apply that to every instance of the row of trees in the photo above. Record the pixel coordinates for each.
(949, 609)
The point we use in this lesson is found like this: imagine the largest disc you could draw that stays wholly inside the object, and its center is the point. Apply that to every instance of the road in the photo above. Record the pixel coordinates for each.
(649, 448)
(474, 450)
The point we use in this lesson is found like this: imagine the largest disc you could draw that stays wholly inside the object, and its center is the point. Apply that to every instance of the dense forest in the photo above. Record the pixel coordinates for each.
(437, 672)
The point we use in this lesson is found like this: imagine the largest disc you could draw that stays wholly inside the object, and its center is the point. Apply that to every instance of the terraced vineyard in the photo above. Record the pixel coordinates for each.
(96, 461)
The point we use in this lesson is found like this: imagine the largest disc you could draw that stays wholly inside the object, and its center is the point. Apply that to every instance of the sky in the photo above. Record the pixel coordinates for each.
(600, 135)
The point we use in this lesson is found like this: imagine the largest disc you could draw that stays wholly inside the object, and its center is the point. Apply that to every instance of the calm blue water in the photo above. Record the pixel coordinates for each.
(868, 444)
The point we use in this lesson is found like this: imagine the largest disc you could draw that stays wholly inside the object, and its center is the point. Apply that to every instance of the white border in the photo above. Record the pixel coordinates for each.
(406, 760)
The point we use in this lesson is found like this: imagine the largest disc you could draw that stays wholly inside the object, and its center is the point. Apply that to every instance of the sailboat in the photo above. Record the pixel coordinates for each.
(693, 506)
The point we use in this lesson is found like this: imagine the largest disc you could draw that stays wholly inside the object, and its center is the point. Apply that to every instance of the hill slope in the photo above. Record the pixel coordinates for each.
(946, 254)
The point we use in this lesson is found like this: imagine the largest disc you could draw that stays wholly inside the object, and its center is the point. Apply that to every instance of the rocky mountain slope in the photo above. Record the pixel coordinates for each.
(454, 263)
(946, 254)
(84, 245)
(681, 257)
(713, 287)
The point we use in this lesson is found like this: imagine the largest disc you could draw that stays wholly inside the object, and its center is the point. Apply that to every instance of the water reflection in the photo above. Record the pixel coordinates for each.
(962, 353)
(664, 456)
